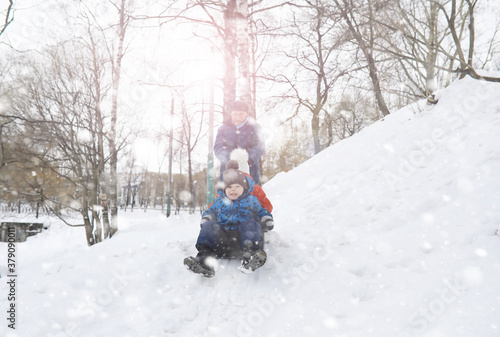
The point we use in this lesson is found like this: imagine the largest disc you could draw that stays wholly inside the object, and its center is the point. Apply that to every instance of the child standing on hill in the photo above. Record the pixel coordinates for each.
(232, 227)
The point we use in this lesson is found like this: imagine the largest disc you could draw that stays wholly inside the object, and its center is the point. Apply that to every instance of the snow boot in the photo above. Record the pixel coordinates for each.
(201, 264)
(253, 261)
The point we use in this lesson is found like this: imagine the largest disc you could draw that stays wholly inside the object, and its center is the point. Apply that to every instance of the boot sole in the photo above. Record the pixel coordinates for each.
(197, 268)
(256, 261)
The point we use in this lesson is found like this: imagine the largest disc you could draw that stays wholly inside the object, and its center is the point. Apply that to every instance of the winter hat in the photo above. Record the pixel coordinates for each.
(233, 176)
(241, 156)
(240, 106)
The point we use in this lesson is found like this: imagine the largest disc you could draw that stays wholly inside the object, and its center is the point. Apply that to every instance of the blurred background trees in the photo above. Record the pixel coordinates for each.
(86, 89)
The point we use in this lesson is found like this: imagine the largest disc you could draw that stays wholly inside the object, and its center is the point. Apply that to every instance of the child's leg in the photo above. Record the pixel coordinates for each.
(211, 238)
(250, 235)
(253, 254)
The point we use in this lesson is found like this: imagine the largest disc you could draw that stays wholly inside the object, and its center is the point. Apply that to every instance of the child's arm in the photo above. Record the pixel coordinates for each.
(211, 213)
(264, 216)
(263, 212)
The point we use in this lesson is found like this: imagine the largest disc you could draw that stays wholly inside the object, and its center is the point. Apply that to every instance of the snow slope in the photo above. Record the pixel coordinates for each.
(388, 233)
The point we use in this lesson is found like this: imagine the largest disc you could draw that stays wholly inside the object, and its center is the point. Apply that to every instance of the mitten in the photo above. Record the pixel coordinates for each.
(267, 222)
(206, 218)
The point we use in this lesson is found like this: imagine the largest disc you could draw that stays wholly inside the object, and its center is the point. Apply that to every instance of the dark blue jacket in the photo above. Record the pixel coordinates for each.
(248, 137)
(230, 213)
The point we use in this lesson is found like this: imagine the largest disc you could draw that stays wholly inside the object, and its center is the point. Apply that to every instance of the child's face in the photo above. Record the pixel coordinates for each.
(234, 191)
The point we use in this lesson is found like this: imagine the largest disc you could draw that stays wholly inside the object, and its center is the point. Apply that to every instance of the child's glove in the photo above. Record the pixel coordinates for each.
(206, 218)
(267, 223)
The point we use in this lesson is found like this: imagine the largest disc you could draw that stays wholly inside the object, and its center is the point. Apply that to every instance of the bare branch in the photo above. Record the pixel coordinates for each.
(9, 17)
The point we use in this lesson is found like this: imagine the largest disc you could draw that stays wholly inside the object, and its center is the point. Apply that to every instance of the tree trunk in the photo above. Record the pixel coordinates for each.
(253, 75)
(97, 225)
(376, 83)
(100, 187)
(190, 182)
(315, 131)
(88, 230)
(472, 31)
(367, 52)
(88, 225)
(230, 47)
(432, 43)
(170, 156)
(99, 180)
(244, 85)
(113, 195)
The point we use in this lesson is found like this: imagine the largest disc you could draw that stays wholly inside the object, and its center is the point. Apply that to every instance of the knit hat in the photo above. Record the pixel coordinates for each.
(240, 106)
(233, 176)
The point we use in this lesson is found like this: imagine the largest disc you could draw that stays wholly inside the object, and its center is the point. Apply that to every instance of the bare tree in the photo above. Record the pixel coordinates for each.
(410, 33)
(62, 109)
(131, 180)
(5, 119)
(220, 17)
(191, 133)
(232, 32)
(9, 17)
(235, 34)
(314, 62)
(350, 115)
(242, 28)
(364, 34)
(453, 15)
(116, 57)
(6, 144)
(294, 150)
(59, 116)
(429, 39)
(113, 44)
(230, 51)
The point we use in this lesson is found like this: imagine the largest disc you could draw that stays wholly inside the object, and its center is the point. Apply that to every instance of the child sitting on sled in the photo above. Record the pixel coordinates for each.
(239, 161)
(232, 226)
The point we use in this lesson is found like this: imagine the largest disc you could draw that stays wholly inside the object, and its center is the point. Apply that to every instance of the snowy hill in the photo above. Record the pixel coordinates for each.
(388, 233)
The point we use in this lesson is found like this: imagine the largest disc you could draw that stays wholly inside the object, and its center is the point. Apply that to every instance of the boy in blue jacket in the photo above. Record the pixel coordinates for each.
(233, 224)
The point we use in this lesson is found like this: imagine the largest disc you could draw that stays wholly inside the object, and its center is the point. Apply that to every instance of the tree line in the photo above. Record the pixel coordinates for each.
(315, 71)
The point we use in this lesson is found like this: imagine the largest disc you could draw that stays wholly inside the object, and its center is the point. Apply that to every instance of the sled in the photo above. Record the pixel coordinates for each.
(232, 249)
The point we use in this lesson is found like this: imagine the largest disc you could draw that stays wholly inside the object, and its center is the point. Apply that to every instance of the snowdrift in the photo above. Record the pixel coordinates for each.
(391, 232)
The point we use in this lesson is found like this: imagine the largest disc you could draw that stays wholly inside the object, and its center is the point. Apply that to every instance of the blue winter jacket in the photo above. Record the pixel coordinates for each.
(247, 137)
(230, 213)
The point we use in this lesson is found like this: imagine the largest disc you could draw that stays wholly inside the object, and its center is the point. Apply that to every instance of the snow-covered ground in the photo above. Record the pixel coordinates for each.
(390, 233)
